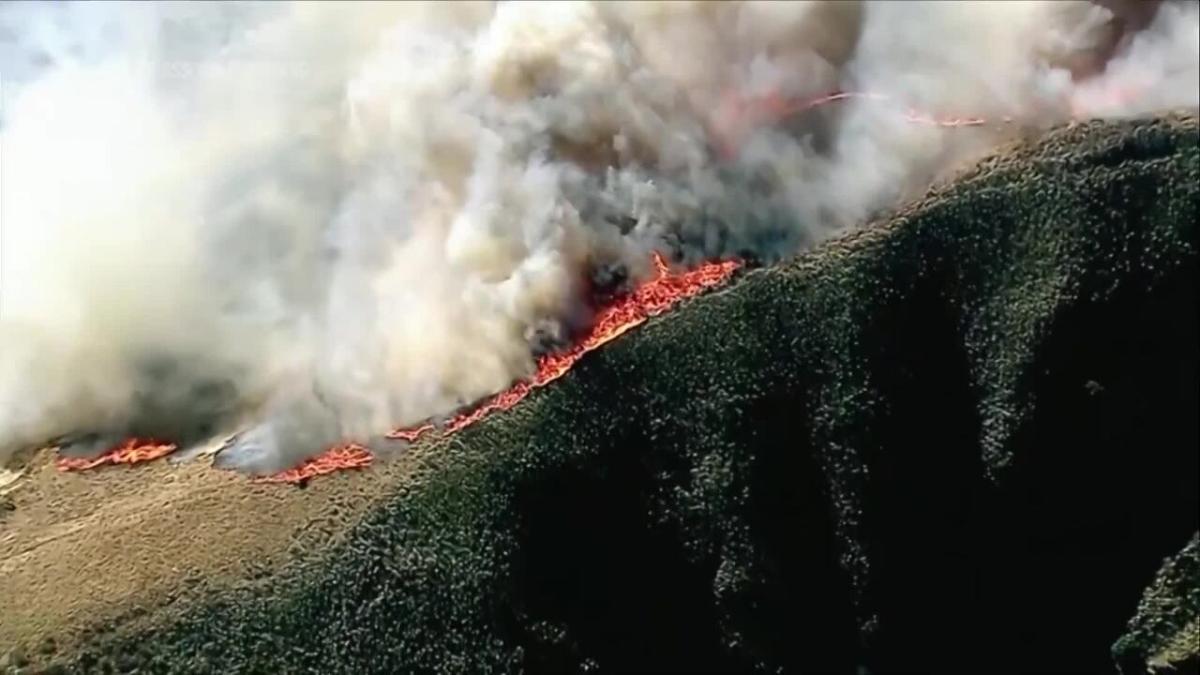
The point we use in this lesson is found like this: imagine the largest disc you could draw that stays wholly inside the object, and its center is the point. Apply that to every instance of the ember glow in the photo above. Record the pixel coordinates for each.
(651, 299)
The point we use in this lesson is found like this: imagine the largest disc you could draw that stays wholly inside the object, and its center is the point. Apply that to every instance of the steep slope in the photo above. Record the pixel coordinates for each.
(1164, 635)
(962, 439)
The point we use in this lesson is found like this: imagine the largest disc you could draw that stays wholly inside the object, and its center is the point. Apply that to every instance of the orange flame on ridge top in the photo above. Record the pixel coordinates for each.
(649, 299)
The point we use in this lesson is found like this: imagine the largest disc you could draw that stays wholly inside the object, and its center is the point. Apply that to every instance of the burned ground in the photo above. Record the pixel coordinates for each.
(962, 439)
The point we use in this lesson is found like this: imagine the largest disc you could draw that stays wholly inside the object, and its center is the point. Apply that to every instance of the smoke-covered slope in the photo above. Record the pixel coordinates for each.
(312, 222)
(962, 439)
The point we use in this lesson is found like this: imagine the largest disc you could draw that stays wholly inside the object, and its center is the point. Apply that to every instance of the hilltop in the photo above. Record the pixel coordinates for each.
(962, 438)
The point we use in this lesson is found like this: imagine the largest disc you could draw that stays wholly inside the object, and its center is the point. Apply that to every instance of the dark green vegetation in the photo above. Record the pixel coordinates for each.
(960, 440)
(1165, 633)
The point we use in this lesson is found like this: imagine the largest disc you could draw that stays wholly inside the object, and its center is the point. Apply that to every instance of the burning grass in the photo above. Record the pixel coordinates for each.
(348, 456)
(650, 299)
(660, 293)
(130, 451)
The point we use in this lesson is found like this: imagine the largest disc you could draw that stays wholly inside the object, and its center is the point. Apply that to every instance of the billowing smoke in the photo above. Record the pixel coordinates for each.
(327, 220)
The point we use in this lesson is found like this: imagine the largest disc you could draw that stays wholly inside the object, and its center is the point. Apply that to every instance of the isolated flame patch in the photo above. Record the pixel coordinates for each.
(350, 456)
(131, 451)
(649, 299)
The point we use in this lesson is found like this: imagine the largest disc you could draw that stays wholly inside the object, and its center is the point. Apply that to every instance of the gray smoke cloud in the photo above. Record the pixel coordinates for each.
(321, 221)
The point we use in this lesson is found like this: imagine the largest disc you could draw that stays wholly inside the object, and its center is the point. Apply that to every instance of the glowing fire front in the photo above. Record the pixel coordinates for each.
(650, 299)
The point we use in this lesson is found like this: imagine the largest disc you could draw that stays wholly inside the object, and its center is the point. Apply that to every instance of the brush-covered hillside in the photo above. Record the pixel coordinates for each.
(963, 439)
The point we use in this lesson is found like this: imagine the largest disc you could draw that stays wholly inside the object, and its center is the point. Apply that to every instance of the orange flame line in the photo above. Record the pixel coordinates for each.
(649, 299)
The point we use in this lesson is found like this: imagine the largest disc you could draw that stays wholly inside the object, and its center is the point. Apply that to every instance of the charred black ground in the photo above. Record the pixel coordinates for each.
(961, 440)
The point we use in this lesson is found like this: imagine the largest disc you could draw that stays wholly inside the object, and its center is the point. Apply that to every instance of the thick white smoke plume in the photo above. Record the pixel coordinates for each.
(336, 218)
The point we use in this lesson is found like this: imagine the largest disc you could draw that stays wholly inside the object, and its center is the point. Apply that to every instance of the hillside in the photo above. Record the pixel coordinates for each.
(961, 439)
